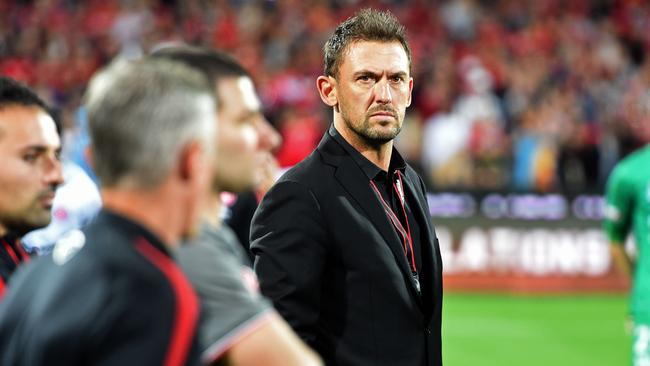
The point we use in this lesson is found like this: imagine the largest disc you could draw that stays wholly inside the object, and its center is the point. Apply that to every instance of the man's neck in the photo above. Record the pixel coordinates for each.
(379, 155)
(145, 207)
(212, 212)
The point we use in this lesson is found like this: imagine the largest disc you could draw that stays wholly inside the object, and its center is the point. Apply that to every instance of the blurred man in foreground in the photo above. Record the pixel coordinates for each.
(111, 294)
(628, 209)
(31, 171)
(237, 326)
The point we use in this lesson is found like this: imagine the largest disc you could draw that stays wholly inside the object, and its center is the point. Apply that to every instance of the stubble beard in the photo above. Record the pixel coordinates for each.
(27, 222)
(369, 136)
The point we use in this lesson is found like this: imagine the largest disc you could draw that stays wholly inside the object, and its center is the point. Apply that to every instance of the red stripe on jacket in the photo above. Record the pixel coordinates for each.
(11, 252)
(16, 250)
(186, 312)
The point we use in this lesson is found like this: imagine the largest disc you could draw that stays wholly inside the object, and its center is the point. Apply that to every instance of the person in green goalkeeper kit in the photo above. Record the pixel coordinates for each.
(628, 209)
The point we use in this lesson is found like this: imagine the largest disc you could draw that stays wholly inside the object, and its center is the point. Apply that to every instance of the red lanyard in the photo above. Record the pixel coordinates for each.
(405, 233)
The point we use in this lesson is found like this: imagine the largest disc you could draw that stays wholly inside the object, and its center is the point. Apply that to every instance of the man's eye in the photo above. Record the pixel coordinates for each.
(397, 79)
(364, 78)
(30, 158)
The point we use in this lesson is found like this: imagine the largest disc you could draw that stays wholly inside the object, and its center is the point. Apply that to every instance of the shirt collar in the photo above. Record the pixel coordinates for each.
(132, 228)
(371, 170)
(10, 238)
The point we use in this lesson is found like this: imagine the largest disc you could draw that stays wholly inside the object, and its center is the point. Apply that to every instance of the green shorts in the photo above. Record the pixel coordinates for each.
(641, 345)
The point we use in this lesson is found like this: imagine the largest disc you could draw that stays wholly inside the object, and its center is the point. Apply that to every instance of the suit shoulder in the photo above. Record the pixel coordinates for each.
(415, 177)
(310, 172)
(634, 163)
(411, 173)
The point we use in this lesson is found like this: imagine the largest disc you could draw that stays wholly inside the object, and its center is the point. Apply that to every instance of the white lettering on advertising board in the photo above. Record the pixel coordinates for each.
(536, 252)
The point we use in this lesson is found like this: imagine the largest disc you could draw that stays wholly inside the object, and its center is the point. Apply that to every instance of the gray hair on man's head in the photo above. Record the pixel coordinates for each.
(141, 114)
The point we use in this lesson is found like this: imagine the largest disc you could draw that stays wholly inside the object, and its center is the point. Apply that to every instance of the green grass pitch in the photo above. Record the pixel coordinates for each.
(557, 330)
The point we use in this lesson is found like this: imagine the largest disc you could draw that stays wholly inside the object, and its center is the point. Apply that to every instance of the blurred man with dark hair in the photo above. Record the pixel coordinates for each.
(29, 155)
(237, 326)
(110, 294)
(343, 243)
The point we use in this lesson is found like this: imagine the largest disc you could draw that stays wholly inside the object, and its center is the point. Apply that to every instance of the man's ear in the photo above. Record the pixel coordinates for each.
(408, 102)
(190, 161)
(327, 89)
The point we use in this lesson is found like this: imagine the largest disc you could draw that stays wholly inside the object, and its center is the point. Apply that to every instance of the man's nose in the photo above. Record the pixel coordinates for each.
(54, 172)
(382, 92)
(269, 138)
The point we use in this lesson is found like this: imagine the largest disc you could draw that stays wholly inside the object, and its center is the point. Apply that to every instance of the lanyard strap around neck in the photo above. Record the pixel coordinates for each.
(404, 232)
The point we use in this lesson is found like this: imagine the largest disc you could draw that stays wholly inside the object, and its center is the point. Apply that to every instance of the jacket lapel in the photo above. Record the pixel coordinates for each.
(357, 185)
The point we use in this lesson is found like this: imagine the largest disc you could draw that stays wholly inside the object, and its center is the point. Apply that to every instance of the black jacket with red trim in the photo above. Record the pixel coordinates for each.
(12, 255)
(109, 294)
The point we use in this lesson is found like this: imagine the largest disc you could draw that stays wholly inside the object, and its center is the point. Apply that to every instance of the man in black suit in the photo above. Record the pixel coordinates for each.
(343, 243)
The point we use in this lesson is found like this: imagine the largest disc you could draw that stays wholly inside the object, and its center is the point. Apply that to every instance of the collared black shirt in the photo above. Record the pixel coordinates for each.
(384, 182)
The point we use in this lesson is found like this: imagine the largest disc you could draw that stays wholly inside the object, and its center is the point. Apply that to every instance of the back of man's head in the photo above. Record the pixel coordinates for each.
(141, 114)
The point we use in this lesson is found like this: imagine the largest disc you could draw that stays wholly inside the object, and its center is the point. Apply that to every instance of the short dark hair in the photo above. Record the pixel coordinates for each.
(214, 65)
(366, 25)
(14, 93)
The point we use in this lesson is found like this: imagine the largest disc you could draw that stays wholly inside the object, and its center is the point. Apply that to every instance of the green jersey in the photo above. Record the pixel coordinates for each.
(628, 208)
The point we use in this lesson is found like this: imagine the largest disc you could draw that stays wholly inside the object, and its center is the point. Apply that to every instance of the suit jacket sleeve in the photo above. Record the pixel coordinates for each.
(288, 239)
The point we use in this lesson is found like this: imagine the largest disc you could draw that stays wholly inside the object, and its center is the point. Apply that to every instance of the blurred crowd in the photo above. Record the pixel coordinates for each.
(543, 95)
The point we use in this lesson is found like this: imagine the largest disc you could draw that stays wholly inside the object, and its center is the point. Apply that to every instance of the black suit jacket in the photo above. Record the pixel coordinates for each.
(328, 257)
